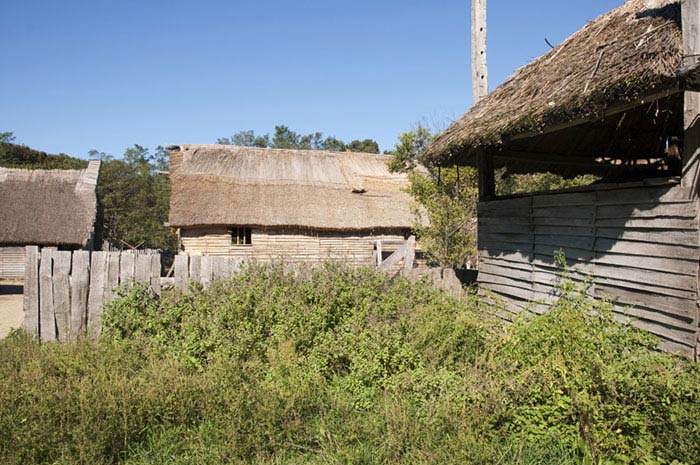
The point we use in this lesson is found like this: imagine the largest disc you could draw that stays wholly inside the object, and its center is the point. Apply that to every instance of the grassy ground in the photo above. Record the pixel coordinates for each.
(341, 366)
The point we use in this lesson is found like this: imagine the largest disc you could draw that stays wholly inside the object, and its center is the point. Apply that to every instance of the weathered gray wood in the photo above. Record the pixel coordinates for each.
(674, 210)
(410, 255)
(565, 231)
(196, 268)
(489, 279)
(643, 195)
(513, 238)
(47, 323)
(647, 249)
(555, 221)
(574, 242)
(682, 267)
(112, 280)
(504, 247)
(142, 266)
(504, 264)
(690, 18)
(495, 220)
(181, 272)
(79, 286)
(649, 223)
(480, 76)
(508, 213)
(206, 271)
(502, 204)
(61, 294)
(378, 252)
(654, 317)
(393, 259)
(523, 294)
(581, 212)
(155, 274)
(654, 236)
(505, 228)
(96, 299)
(31, 291)
(672, 305)
(559, 200)
(127, 269)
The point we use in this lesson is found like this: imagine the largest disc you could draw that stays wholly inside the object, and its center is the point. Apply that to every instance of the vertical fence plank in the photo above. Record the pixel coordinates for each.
(206, 271)
(410, 255)
(31, 291)
(96, 300)
(142, 274)
(126, 274)
(47, 325)
(196, 268)
(155, 273)
(79, 285)
(112, 281)
(181, 272)
(61, 293)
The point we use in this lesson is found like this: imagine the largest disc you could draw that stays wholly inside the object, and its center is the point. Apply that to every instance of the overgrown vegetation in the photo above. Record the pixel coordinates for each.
(285, 138)
(341, 366)
(20, 156)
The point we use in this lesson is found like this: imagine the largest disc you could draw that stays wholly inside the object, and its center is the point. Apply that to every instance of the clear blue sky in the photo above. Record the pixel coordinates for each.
(78, 75)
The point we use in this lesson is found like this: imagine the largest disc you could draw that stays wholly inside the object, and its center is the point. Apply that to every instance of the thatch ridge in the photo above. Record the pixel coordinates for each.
(48, 207)
(631, 52)
(310, 189)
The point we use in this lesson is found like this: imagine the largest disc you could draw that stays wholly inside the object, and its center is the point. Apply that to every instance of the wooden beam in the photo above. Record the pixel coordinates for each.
(480, 78)
(690, 10)
(486, 175)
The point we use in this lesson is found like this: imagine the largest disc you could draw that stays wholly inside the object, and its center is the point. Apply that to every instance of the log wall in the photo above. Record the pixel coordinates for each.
(637, 245)
(11, 262)
(292, 246)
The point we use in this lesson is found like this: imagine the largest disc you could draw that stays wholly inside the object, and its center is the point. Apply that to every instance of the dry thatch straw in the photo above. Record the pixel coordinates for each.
(244, 186)
(48, 207)
(630, 52)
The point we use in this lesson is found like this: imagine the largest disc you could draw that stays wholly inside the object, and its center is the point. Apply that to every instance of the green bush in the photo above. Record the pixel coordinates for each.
(342, 366)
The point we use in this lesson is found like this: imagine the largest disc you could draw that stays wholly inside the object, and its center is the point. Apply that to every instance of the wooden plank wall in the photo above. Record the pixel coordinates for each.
(12, 262)
(638, 245)
(291, 246)
(65, 292)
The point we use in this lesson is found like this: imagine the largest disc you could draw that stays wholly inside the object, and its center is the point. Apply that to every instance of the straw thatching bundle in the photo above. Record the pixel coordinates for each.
(629, 53)
(227, 185)
(48, 207)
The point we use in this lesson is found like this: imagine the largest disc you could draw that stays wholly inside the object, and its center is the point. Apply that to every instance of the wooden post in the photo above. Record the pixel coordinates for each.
(47, 324)
(96, 300)
(127, 269)
(486, 174)
(79, 285)
(410, 256)
(378, 251)
(31, 291)
(61, 293)
(690, 21)
(480, 77)
(181, 272)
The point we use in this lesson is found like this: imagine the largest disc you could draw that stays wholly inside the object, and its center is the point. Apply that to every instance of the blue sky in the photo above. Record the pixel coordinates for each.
(78, 75)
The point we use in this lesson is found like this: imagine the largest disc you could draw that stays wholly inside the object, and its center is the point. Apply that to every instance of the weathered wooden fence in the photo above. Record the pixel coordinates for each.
(65, 292)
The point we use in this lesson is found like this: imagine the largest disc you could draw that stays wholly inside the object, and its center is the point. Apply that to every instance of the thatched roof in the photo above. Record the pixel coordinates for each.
(227, 185)
(48, 207)
(627, 57)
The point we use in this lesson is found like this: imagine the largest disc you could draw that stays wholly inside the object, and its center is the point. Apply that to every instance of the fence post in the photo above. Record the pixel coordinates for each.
(61, 293)
(98, 272)
(47, 325)
(410, 255)
(126, 272)
(31, 291)
(79, 285)
(181, 272)
(155, 273)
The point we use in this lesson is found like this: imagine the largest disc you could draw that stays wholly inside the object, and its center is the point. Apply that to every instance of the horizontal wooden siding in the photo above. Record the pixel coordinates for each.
(638, 246)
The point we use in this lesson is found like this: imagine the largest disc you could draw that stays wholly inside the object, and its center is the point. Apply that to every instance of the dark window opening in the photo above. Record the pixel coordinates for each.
(240, 236)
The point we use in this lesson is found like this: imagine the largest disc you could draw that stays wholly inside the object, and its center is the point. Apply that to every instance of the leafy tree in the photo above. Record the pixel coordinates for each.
(21, 156)
(135, 198)
(285, 138)
(7, 137)
(246, 139)
(366, 146)
(446, 202)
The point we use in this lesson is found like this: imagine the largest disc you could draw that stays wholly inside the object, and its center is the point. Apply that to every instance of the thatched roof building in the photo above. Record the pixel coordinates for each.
(48, 207)
(598, 100)
(314, 190)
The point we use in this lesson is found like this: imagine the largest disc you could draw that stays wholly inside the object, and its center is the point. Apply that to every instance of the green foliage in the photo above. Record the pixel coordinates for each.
(21, 156)
(135, 199)
(341, 366)
(7, 137)
(285, 138)
(538, 182)
(410, 148)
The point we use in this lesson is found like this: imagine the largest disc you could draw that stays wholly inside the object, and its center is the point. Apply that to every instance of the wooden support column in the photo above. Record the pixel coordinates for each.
(487, 178)
(691, 50)
(480, 76)
(690, 23)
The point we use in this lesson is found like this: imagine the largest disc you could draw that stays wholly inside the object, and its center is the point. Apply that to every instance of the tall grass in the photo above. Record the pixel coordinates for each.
(342, 366)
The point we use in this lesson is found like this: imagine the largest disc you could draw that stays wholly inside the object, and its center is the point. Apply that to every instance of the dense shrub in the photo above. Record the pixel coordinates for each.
(340, 366)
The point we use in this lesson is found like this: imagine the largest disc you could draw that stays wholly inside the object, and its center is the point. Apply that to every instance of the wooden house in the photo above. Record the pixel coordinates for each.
(617, 99)
(47, 208)
(287, 205)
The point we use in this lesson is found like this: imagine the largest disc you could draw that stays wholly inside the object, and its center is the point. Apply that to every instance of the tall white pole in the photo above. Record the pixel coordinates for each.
(480, 75)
